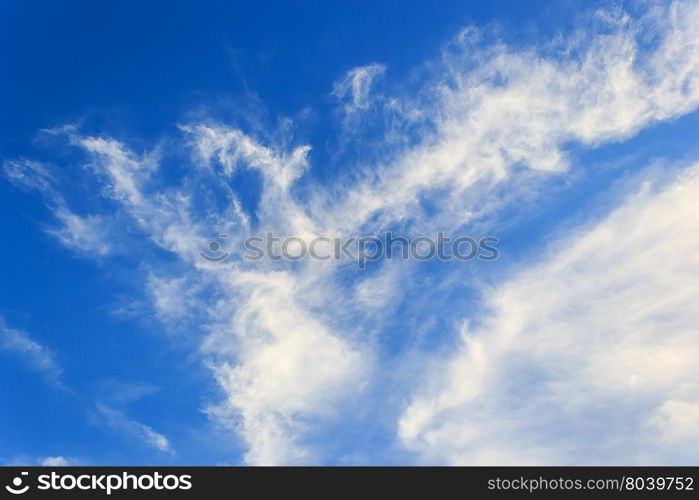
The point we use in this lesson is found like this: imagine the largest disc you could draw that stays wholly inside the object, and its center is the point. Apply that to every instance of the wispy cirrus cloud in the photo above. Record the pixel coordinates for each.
(41, 359)
(133, 429)
(37, 356)
(489, 109)
(88, 235)
(355, 87)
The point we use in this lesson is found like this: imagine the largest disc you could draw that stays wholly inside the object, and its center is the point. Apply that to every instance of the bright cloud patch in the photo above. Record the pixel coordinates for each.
(585, 356)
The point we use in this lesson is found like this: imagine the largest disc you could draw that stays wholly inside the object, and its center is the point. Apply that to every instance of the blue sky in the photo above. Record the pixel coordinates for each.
(132, 135)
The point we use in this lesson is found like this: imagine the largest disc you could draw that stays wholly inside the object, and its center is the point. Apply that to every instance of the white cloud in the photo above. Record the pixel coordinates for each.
(489, 109)
(354, 89)
(29, 174)
(58, 461)
(581, 352)
(172, 298)
(675, 423)
(87, 234)
(37, 356)
(277, 361)
(48, 461)
(126, 172)
(133, 429)
(231, 147)
(290, 367)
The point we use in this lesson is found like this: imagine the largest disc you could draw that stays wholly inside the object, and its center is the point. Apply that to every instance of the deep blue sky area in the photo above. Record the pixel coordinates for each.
(142, 66)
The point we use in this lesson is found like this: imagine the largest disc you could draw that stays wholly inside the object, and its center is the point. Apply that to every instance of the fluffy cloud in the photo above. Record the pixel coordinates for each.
(581, 355)
(290, 364)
